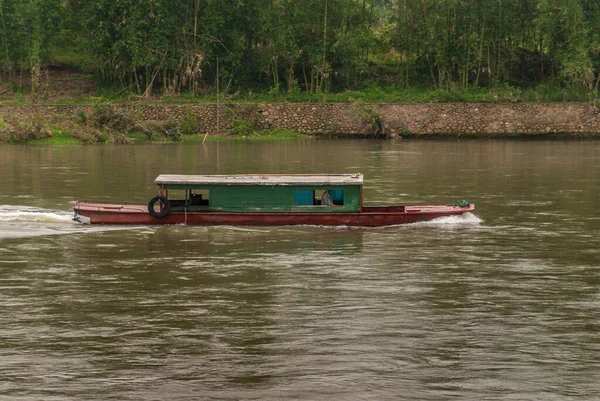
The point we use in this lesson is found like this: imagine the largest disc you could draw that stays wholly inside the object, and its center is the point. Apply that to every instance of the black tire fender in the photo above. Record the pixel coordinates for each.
(166, 207)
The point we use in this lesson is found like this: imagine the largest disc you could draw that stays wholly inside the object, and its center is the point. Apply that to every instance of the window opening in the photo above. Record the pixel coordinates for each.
(319, 197)
(304, 198)
(337, 197)
(325, 198)
(199, 197)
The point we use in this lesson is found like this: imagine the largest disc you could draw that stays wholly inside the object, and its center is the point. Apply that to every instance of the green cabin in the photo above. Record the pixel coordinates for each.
(263, 193)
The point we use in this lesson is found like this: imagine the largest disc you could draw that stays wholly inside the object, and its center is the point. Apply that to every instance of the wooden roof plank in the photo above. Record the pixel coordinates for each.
(260, 179)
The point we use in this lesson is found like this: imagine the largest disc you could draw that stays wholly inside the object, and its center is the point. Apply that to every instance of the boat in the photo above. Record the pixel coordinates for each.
(263, 200)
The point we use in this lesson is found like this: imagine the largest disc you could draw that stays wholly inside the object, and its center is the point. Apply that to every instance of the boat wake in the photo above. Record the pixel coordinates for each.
(17, 221)
(30, 214)
(464, 219)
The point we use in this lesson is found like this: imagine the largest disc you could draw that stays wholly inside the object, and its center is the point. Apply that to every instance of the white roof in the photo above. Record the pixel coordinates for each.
(260, 179)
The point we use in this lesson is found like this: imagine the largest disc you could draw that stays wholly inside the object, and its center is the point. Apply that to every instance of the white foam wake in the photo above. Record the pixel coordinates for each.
(29, 214)
(26, 221)
(464, 219)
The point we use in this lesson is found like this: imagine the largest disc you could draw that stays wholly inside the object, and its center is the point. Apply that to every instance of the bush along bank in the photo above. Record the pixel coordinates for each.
(102, 124)
(67, 125)
(129, 123)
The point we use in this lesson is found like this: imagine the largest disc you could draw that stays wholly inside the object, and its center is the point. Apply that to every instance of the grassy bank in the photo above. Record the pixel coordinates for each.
(104, 123)
(118, 129)
(54, 135)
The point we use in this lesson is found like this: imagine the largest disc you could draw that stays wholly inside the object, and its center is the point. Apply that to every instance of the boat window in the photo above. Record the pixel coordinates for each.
(200, 197)
(323, 198)
(304, 198)
(320, 197)
(337, 196)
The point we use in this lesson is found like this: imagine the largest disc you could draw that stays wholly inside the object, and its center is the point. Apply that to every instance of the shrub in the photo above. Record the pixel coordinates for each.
(171, 129)
(119, 139)
(83, 132)
(242, 128)
(105, 117)
(80, 117)
(86, 134)
(371, 121)
(168, 129)
(24, 130)
(3, 132)
(174, 136)
(189, 125)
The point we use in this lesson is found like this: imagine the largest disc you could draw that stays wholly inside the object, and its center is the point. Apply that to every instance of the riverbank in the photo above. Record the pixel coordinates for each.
(154, 122)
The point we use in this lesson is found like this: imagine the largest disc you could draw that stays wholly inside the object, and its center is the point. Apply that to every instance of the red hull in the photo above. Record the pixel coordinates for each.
(104, 213)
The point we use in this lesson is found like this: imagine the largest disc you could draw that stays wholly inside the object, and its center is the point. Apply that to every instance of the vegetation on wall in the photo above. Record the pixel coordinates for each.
(199, 47)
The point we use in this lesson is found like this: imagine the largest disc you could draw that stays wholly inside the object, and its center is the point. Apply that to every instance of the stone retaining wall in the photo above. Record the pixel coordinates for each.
(361, 119)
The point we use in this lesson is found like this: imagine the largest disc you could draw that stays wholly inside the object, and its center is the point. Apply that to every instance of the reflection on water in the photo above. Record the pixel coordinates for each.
(499, 305)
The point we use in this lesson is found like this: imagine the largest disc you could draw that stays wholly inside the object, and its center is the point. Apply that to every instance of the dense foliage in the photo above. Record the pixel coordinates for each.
(191, 46)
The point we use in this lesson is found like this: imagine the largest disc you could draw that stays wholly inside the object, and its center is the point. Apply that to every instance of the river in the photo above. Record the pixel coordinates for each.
(500, 304)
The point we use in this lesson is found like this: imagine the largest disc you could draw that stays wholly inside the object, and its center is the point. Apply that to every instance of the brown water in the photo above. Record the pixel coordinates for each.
(503, 304)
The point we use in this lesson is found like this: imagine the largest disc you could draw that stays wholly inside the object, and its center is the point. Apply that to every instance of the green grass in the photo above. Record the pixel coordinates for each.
(275, 134)
(454, 94)
(137, 137)
(369, 94)
(263, 135)
(200, 138)
(59, 138)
